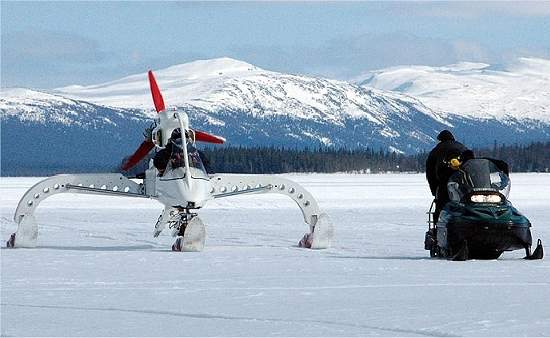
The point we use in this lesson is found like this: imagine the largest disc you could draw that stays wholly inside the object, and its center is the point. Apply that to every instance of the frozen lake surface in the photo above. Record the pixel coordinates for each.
(99, 272)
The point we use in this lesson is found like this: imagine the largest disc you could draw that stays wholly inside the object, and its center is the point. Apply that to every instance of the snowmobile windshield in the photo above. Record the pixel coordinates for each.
(195, 163)
(478, 175)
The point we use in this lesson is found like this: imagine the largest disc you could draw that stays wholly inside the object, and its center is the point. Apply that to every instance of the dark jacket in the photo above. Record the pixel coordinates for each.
(162, 157)
(437, 169)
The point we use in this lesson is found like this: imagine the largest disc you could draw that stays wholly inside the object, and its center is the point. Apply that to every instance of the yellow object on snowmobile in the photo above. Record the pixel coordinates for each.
(455, 163)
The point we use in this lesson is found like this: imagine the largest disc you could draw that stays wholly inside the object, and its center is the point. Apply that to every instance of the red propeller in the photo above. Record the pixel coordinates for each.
(206, 137)
(155, 91)
(144, 148)
(147, 145)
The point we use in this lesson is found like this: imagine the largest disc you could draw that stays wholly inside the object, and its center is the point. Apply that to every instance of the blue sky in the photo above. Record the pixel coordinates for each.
(52, 44)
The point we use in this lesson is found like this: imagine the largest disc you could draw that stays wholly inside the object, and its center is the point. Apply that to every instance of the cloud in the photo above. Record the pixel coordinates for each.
(465, 50)
(54, 59)
(371, 51)
(45, 57)
(348, 56)
(470, 9)
(50, 59)
(45, 47)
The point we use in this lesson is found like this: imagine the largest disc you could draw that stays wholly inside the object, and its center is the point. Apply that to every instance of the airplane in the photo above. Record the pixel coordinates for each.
(183, 187)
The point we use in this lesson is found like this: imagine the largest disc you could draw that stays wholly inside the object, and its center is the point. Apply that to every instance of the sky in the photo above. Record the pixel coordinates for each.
(52, 44)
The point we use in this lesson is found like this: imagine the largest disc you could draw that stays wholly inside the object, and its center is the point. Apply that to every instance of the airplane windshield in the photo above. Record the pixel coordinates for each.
(478, 175)
(195, 163)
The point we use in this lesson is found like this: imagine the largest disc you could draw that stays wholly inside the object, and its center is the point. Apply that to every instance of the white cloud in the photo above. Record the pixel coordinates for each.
(47, 46)
(347, 56)
(473, 9)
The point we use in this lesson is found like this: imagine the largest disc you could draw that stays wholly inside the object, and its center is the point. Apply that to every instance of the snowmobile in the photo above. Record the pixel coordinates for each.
(183, 187)
(479, 222)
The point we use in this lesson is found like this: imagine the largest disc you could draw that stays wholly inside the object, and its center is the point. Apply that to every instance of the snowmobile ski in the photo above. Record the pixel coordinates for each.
(462, 254)
(537, 254)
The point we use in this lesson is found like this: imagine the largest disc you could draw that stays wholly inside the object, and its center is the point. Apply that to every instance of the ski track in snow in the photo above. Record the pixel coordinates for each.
(98, 271)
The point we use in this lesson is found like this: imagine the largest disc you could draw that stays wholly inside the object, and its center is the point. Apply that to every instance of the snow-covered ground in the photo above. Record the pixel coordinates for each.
(98, 271)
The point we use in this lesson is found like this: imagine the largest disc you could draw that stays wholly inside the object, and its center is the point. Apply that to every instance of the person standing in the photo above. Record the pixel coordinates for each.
(442, 162)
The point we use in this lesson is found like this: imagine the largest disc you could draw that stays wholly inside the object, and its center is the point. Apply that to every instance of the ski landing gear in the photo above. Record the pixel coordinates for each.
(321, 234)
(185, 225)
(11, 242)
(26, 235)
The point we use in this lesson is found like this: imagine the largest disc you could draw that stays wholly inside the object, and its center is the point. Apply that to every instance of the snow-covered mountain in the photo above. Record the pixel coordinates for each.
(478, 90)
(232, 94)
(28, 105)
(45, 133)
(228, 84)
(247, 105)
(251, 105)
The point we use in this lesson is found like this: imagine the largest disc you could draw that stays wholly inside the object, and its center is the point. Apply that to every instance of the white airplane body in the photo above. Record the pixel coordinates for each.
(183, 187)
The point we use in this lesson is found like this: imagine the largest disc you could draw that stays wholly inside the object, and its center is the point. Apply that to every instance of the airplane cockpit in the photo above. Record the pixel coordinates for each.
(177, 159)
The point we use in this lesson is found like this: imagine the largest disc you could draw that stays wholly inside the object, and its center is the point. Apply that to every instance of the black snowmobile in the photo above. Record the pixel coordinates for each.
(479, 222)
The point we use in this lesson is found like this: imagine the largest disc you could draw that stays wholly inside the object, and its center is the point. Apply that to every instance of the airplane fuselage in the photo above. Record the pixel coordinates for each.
(174, 189)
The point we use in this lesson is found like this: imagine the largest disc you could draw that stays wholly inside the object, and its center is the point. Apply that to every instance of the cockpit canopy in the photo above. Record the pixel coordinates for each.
(483, 177)
(195, 163)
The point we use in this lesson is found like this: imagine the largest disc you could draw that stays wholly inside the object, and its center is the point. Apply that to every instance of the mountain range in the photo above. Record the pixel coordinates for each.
(520, 90)
(83, 128)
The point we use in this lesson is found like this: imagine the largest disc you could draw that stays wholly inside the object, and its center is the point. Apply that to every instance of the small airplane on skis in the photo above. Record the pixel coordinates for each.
(183, 187)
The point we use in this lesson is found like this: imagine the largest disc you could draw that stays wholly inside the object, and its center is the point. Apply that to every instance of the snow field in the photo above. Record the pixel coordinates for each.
(98, 271)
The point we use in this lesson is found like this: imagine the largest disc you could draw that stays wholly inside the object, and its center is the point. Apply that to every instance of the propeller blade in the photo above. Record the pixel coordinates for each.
(206, 137)
(155, 91)
(144, 149)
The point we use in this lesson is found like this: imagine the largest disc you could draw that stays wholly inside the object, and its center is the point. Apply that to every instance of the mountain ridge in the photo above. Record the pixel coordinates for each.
(519, 90)
(244, 103)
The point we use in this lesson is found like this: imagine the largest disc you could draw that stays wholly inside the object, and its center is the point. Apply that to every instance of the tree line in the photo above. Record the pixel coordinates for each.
(534, 157)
